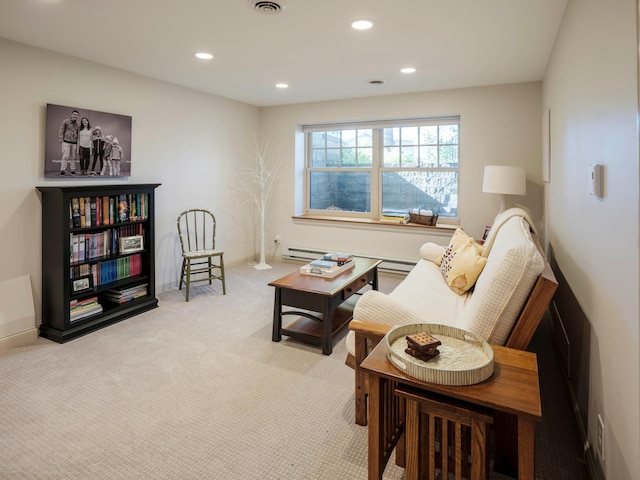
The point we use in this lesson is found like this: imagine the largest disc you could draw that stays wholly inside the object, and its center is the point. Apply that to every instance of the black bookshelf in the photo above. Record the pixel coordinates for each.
(59, 261)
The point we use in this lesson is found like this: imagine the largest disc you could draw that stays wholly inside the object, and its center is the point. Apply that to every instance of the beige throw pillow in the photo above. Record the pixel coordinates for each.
(458, 238)
(463, 266)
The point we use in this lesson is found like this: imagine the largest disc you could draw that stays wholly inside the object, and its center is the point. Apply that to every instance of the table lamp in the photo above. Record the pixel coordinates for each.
(505, 181)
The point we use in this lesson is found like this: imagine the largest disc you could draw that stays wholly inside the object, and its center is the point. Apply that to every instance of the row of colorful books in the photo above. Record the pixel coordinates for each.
(85, 246)
(126, 294)
(79, 309)
(110, 270)
(87, 212)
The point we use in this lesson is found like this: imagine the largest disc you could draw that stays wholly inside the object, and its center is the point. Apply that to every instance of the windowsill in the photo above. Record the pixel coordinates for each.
(441, 227)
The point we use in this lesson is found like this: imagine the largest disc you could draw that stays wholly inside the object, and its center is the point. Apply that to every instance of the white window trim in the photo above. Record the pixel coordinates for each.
(376, 170)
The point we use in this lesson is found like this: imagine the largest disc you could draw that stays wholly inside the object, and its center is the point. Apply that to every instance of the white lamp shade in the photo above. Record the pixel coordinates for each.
(505, 180)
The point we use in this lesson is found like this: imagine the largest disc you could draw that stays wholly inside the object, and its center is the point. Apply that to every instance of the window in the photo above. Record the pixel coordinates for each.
(367, 170)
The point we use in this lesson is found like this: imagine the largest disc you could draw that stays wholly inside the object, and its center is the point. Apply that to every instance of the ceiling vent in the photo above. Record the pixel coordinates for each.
(377, 82)
(265, 7)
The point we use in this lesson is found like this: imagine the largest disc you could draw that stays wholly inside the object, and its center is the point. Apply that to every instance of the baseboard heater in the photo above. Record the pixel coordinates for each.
(308, 254)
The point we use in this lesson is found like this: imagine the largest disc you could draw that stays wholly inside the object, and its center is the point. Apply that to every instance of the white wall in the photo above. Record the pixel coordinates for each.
(499, 125)
(189, 142)
(591, 89)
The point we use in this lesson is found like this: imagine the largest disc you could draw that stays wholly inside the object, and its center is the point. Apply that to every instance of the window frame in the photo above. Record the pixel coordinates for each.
(377, 167)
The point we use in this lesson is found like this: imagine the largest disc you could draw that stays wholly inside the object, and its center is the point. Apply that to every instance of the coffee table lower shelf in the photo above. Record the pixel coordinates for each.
(308, 327)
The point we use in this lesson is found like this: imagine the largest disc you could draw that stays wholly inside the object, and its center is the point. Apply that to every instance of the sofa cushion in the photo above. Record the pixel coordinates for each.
(505, 283)
(462, 268)
(425, 293)
(431, 251)
(377, 307)
(421, 297)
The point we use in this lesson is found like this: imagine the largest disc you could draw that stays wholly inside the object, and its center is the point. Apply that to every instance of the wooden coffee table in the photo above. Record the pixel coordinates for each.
(321, 299)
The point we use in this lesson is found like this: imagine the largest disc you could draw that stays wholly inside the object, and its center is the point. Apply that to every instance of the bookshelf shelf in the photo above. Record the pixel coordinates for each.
(71, 251)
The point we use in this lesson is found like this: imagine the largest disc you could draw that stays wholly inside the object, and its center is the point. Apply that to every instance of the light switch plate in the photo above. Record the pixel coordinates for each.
(596, 180)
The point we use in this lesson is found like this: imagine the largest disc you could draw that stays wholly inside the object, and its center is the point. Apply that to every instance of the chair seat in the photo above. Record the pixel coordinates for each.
(201, 253)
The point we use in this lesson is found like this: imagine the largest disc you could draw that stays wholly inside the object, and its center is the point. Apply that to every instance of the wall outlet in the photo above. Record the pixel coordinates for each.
(601, 437)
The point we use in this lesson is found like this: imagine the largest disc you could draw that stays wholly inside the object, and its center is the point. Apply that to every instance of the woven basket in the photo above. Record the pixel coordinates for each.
(423, 219)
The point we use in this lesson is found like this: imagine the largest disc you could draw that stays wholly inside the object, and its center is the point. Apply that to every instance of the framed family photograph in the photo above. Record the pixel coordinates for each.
(82, 143)
(131, 244)
(82, 284)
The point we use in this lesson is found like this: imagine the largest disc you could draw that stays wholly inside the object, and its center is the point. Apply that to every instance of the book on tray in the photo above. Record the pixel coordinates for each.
(338, 257)
(326, 268)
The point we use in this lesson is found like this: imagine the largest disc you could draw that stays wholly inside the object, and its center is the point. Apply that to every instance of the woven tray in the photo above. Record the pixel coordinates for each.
(464, 358)
(429, 220)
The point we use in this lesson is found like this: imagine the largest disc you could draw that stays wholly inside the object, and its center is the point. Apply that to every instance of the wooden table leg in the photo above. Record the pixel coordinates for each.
(412, 439)
(376, 434)
(526, 448)
(515, 446)
(506, 444)
(327, 327)
(276, 336)
(360, 379)
(374, 283)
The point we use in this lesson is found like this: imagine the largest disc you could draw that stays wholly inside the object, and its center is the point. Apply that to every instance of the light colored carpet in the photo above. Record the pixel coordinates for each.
(191, 390)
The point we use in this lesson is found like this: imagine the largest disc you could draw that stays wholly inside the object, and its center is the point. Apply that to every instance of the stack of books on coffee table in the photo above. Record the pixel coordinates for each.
(330, 265)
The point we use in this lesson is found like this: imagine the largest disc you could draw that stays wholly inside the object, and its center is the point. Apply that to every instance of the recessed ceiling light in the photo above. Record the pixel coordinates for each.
(204, 56)
(362, 24)
(282, 85)
(408, 70)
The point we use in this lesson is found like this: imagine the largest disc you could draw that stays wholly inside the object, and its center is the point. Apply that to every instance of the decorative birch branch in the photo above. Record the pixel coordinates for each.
(259, 182)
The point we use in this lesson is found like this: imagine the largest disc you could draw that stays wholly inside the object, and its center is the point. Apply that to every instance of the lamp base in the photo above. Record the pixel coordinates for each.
(503, 203)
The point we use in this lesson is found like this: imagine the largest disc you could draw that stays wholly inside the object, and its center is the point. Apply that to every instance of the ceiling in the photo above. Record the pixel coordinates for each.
(309, 45)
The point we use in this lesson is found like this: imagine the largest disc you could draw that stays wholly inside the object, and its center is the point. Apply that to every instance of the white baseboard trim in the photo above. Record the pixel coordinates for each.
(27, 337)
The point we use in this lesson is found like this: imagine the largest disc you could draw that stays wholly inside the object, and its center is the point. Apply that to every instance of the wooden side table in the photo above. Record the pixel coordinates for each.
(332, 300)
(512, 393)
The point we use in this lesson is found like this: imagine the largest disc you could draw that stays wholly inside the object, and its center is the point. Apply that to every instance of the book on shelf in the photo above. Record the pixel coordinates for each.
(326, 272)
(87, 212)
(93, 211)
(105, 210)
(83, 217)
(79, 303)
(93, 306)
(127, 294)
(133, 207)
(75, 212)
(79, 309)
(86, 313)
(123, 209)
